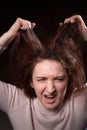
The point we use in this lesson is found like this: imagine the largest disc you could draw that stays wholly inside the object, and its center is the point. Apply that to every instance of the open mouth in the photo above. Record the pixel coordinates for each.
(50, 98)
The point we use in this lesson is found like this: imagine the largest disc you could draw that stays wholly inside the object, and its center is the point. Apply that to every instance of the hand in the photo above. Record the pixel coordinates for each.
(81, 24)
(19, 24)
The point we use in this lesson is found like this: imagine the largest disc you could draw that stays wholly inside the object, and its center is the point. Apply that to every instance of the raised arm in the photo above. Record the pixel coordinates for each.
(81, 24)
(19, 24)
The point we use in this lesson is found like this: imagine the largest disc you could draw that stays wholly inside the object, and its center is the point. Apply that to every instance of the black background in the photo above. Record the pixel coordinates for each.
(46, 14)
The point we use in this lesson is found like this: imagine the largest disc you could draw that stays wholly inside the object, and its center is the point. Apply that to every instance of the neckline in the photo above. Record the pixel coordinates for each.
(51, 119)
(46, 112)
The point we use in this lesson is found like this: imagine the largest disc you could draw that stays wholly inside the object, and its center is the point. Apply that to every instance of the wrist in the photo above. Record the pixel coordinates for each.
(6, 39)
(84, 35)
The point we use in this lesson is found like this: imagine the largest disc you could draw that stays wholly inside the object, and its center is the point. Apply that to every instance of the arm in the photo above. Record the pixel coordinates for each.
(7, 91)
(19, 24)
(81, 24)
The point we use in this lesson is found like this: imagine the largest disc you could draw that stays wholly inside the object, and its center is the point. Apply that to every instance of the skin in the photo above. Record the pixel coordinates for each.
(81, 24)
(19, 24)
(22, 24)
(49, 80)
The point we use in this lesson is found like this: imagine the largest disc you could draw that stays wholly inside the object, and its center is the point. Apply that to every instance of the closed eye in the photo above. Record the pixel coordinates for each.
(59, 78)
(41, 79)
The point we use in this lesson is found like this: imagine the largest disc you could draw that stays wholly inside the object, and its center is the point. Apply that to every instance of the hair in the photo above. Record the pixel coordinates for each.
(27, 50)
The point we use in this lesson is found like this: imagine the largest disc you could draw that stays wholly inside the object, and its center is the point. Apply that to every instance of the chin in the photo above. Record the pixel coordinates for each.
(51, 106)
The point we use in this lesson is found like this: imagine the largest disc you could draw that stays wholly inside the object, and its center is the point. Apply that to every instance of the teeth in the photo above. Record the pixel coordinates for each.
(49, 96)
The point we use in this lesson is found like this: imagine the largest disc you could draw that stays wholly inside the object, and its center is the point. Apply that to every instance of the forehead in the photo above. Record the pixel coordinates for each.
(48, 66)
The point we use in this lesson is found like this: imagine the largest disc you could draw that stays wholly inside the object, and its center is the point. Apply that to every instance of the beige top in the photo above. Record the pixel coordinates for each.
(30, 114)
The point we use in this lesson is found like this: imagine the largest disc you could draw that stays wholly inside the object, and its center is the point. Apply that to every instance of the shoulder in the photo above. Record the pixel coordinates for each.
(80, 98)
(13, 95)
(85, 85)
(85, 90)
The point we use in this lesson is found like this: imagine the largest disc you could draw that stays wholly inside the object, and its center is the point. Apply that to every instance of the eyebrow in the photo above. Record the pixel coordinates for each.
(40, 77)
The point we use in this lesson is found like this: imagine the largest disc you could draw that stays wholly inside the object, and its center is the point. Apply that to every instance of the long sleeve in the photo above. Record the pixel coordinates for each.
(7, 93)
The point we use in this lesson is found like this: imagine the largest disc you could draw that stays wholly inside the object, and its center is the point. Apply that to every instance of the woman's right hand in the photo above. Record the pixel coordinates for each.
(19, 24)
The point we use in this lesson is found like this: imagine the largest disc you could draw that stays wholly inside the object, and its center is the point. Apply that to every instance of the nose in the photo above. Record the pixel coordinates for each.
(50, 87)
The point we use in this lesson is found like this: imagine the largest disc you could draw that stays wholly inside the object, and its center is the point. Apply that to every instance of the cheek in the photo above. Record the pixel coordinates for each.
(38, 87)
(64, 91)
(62, 88)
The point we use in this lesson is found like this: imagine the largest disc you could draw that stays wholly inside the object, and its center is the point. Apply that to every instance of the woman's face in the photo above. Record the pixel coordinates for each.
(49, 80)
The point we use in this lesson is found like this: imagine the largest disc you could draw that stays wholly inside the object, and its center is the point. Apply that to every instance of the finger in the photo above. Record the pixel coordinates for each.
(27, 25)
(73, 19)
(60, 23)
(33, 25)
(69, 20)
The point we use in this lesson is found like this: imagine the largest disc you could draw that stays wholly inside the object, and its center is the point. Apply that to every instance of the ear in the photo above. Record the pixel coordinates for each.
(32, 85)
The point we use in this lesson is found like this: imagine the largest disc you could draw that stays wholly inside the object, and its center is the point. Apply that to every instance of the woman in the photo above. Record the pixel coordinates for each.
(52, 91)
